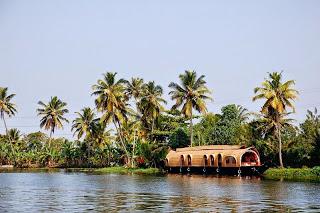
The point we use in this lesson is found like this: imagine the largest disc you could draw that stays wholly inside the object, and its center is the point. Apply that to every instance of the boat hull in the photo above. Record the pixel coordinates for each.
(243, 171)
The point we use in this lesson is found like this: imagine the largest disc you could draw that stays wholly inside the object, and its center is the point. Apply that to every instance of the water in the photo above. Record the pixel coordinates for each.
(81, 192)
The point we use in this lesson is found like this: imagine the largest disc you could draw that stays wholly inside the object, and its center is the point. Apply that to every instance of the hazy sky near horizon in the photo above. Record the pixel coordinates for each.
(61, 48)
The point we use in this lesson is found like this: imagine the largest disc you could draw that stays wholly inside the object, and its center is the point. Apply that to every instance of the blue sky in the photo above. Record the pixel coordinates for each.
(61, 48)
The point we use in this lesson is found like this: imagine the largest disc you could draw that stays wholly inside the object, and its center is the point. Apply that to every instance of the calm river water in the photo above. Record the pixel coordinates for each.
(81, 192)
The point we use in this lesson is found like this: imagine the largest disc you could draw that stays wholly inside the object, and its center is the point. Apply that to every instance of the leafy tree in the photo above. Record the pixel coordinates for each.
(205, 128)
(52, 115)
(192, 94)
(278, 97)
(227, 128)
(178, 139)
(309, 139)
(35, 141)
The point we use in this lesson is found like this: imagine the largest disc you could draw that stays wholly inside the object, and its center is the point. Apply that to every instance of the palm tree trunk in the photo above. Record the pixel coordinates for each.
(88, 152)
(133, 149)
(191, 130)
(280, 147)
(121, 140)
(50, 136)
(9, 137)
(152, 127)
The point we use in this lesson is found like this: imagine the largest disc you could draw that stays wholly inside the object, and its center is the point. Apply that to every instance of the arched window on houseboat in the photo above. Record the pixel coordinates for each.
(189, 160)
(249, 159)
(205, 161)
(181, 160)
(211, 160)
(230, 160)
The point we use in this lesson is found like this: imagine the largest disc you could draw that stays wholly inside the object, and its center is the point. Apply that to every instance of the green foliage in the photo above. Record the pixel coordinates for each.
(167, 123)
(302, 174)
(179, 138)
(123, 170)
(316, 171)
(151, 154)
(228, 128)
(204, 129)
(143, 137)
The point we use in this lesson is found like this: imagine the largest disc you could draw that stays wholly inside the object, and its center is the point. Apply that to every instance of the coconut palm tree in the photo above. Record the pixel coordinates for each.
(190, 94)
(150, 104)
(6, 108)
(112, 102)
(242, 113)
(134, 88)
(83, 123)
(14, 135)
(278, 97)
(52, 115)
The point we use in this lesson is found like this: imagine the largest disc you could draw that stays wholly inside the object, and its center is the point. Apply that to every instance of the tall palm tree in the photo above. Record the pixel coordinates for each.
(112, 102)
(83, 123)
(52, 115)
(134, 88)
(91, 128)
(150, 105)
(278, 97)
(192, 94)
(6, 108)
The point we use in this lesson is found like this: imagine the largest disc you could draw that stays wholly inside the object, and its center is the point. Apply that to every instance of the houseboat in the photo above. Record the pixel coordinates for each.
(215, 159)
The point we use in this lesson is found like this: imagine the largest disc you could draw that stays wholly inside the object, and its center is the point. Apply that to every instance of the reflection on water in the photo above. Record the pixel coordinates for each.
(74, 192)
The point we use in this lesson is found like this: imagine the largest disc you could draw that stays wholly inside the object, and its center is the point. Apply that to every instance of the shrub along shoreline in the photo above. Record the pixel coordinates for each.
(293, 174)
(105, 170)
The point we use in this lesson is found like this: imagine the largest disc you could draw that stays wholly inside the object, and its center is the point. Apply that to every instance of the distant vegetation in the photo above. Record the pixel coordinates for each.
(132, 126)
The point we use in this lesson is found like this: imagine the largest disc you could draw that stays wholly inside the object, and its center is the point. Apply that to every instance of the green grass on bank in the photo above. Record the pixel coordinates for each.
(123, 170)
(106, 170)
(295, 174)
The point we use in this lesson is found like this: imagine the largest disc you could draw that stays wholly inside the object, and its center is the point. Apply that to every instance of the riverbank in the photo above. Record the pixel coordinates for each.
(293, 174)
(106, 170)
(124, 170)
(290, 174)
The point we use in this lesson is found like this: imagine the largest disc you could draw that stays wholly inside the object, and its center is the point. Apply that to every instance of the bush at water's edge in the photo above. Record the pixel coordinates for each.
(123, 170)
(297, 174)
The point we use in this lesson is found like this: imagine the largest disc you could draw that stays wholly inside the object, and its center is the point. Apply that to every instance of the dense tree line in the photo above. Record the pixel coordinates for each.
(131, 125)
